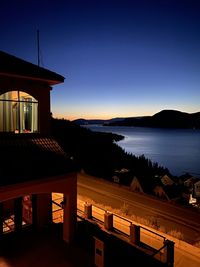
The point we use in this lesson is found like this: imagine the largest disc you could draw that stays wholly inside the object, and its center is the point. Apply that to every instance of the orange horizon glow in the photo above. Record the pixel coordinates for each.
(96, 117)
(102, 115)
(138, 112)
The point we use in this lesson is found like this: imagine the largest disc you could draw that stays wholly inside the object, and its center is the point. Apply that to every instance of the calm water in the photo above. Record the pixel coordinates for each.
(176, 149)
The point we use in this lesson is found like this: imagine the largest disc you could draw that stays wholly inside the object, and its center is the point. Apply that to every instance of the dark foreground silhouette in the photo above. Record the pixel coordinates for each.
(99, 155)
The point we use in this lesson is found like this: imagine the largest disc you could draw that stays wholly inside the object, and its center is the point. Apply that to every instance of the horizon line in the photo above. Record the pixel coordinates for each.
(72, 118)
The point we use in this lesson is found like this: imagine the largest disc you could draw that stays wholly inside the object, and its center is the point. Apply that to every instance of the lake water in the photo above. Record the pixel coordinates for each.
(176, 149)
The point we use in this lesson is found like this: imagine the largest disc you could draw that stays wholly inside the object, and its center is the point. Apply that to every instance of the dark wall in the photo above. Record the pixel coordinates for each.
(117, 252)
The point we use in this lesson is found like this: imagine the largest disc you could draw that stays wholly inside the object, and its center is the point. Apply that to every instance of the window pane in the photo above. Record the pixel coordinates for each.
(26, 97)
(12, 95)
(18, 112)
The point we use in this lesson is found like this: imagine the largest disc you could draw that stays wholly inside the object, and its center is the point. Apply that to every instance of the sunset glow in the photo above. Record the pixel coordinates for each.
(119, 58)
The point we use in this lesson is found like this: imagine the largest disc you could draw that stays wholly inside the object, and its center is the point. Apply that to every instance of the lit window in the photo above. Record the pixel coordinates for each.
(18, 112)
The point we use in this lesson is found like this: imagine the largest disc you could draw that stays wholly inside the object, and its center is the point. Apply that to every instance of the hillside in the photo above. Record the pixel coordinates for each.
(163, 119)
(99, 155)
(95, 121)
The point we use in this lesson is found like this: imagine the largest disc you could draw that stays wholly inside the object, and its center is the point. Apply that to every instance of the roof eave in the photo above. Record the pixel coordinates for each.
(48, 81)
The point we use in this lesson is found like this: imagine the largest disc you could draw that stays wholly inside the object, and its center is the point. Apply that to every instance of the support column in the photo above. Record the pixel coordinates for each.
(18, 214)
(42, 210)
(69, 216)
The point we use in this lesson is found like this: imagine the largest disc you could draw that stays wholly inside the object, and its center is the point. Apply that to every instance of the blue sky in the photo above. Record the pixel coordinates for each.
(119, 58)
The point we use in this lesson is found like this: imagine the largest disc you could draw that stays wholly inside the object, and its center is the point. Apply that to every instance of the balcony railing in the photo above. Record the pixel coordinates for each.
(144, 238)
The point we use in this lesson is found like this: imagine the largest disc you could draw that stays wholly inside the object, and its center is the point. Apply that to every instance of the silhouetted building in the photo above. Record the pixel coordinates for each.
(32, 164)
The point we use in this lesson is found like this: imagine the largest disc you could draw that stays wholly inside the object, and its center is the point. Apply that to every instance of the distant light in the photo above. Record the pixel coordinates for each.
(192, 200)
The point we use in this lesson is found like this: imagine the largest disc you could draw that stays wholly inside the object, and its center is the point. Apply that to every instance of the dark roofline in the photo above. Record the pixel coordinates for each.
(13, 66)
(28, 157)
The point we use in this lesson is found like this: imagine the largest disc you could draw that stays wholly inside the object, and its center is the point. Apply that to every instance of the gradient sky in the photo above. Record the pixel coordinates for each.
(119, 58)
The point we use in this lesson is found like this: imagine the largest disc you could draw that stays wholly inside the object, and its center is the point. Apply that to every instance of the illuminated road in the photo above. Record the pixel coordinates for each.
(169, 217)
(111, 195)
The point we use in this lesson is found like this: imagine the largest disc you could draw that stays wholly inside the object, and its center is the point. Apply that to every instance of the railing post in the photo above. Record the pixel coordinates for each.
(169, 252)
(87, 211)
(108, 221)
(135, 234)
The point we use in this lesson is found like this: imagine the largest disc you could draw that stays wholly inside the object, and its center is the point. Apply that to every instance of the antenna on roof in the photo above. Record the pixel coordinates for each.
(38, 48)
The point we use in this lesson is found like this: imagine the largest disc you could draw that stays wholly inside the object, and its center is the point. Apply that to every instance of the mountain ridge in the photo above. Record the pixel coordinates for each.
(164, 119)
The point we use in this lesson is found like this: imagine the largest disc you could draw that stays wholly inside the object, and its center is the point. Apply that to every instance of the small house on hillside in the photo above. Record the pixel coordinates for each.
(196, 189)
(191, 186)
(121, 176)
(154, 186)
(189, 183)
(160, 192)
(135, 185)
(142, 184)
(166, 180)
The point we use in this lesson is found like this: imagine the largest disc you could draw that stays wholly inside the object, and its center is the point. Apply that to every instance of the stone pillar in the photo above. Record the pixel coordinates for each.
(87, 211)
(18, 214)
(108, 221)
(42, 210)
(135, 234)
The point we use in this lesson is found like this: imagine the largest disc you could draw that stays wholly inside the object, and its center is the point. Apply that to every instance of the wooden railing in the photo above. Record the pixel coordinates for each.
(144, 238)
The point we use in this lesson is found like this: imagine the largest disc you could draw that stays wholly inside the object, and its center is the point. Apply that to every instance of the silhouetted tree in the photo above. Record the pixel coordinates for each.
(98, 154)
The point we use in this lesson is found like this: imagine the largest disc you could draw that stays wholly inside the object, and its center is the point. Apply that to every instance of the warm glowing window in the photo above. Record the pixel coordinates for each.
(18, 112)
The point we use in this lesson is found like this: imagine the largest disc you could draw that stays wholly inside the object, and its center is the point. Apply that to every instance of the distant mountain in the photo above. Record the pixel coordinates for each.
(95, 121)
(163, 119)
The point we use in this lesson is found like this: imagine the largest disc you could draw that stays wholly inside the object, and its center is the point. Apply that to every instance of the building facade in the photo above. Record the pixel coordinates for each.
(33, 165)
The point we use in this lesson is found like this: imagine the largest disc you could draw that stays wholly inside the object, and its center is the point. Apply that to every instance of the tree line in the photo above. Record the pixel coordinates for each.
(98, 155)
